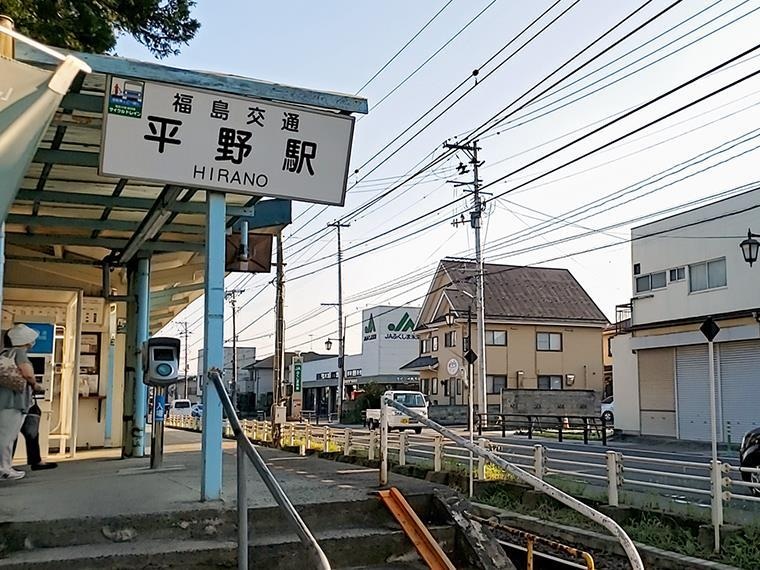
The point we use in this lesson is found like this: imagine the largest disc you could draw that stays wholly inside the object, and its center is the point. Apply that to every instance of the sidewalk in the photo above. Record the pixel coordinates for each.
(96, 484)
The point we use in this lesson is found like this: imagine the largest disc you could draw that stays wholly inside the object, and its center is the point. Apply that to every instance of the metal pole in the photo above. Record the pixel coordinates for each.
(470, 402)
(715, 472)
(242, 510)
(157, 433)
(383, 442)
(234, 394)
(475, 218)
(142, 292)
(211, 435)
(128, 415)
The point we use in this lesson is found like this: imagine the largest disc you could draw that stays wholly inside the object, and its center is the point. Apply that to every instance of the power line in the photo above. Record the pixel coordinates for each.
(406, 45)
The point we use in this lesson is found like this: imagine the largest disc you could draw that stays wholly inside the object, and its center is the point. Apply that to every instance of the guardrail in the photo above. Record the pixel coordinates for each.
(610, 474)
(245, 448)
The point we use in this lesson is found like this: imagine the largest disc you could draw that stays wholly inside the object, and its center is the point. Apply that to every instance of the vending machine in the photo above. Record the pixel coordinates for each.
(42, 358)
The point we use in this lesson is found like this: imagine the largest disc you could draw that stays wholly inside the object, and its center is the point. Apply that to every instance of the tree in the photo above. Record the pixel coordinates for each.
(94, 26)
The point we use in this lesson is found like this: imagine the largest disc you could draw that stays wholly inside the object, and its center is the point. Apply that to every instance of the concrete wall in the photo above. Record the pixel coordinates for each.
(454, 415)
(681, 247)
(625, 379)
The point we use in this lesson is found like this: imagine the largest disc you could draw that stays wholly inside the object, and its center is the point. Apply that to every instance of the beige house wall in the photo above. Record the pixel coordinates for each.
(580, 356)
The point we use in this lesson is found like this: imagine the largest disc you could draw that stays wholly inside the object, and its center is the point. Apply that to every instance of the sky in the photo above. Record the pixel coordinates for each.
(700, 153)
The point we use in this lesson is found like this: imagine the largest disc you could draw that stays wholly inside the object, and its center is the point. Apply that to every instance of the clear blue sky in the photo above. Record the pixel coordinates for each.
(339, 45)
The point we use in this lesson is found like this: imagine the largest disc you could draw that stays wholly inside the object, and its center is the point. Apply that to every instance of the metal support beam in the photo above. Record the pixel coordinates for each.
(128, 417)
(268, 213)
(142, 291)
(157, 295)
(95, 224)
(152, 223)
(106, 243)
(120, 202)
(110, 367)
(213, 340)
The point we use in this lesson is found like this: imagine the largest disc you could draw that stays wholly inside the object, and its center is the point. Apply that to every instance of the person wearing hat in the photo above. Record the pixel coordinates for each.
(13, 404)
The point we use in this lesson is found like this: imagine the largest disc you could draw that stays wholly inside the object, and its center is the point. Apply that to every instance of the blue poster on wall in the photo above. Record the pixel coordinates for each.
(44, 344)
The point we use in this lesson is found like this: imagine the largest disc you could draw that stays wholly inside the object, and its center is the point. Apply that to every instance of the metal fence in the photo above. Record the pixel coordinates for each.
(610, 476)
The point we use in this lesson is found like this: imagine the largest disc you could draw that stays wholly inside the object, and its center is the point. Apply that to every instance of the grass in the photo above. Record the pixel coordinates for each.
(661, 531)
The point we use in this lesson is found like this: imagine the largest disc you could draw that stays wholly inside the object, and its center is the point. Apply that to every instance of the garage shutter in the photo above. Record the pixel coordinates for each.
(739, 383)
(693, 393)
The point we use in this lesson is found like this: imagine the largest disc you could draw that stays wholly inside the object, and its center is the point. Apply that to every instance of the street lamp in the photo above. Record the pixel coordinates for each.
(328, 344)
(750, 247)
(450, 318)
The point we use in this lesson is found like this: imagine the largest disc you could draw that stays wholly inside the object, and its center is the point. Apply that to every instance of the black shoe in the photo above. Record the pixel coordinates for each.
(43, 466)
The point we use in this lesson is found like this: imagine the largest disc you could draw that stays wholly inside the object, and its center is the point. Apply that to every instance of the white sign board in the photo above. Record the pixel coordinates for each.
(205, 139)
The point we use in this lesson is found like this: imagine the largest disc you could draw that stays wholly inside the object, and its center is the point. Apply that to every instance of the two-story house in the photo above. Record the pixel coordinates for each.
(542, 330)
(685, 268)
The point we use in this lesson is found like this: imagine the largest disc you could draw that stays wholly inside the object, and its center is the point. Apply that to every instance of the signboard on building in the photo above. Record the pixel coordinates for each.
(560, 403)
(297, 375)
(197, 138)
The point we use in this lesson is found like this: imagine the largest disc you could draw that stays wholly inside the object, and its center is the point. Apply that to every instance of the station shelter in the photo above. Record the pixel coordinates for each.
(104, 244)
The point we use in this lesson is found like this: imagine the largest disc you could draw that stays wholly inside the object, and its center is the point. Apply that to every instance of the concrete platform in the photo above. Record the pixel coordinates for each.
(98, 485)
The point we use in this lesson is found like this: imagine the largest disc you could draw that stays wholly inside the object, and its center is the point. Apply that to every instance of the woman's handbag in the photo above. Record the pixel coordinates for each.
(10, 375)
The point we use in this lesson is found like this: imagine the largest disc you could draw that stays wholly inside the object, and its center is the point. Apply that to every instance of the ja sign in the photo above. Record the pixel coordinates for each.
(204, 139)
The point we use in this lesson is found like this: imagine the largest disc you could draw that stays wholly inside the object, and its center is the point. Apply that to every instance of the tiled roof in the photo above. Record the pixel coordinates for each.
(268, 362)
(421, 362)
(522, 292)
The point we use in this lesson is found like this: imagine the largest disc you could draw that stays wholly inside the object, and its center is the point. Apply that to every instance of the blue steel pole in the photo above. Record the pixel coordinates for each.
(213, 340)
(142, 291)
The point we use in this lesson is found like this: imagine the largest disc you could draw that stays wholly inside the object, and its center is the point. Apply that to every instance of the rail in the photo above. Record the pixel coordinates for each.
(246, 448)
(533, 539)
(539, 484)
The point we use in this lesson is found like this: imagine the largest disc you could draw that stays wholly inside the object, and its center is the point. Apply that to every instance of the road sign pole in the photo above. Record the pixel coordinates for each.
(157, 433)
(711, 329)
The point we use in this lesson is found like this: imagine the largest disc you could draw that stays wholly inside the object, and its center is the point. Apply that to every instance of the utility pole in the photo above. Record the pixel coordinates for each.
(278, 364)
(340, 396)
(185, 333)
(231, 296)
(476, 213)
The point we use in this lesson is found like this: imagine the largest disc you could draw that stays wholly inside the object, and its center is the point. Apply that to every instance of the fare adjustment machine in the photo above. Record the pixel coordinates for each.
(160, 370)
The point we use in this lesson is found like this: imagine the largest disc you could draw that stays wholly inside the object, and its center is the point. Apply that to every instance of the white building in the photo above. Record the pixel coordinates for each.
(685, 268)
(246, 356)
(388, 342)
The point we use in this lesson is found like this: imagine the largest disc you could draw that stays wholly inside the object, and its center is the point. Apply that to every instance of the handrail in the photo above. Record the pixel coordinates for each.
(625, 541)
(282, 500)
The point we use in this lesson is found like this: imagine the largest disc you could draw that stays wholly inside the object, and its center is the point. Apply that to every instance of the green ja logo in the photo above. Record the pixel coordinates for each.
(405, 324)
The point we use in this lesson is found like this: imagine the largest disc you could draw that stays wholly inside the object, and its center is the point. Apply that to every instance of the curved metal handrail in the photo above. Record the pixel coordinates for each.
(539, 484)
(282, 500)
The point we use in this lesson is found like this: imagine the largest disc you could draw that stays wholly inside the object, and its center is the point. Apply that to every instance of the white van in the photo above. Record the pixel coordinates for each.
(181, 408)
(415, 401)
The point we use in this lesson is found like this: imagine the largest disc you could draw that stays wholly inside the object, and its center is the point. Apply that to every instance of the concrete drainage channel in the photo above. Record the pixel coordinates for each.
(356, 534)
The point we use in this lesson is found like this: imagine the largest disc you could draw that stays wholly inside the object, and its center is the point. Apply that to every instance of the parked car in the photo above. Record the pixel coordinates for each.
(197, 411)
(608, 410)
(749, 455)
(181, 408)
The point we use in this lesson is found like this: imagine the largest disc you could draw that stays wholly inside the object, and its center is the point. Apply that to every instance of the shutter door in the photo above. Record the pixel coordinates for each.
(739, 383)
(693, 393)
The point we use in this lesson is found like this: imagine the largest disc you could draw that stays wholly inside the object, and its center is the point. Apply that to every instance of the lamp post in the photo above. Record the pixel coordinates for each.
(750, 247)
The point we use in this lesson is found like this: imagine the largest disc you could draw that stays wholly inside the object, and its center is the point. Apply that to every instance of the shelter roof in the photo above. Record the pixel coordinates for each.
(66, 212)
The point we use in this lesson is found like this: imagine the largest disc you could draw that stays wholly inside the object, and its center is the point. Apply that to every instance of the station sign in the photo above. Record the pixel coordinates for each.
(205, 139)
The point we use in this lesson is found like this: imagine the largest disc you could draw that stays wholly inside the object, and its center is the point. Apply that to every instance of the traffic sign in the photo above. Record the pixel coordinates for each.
(470, 356)
(710, 329)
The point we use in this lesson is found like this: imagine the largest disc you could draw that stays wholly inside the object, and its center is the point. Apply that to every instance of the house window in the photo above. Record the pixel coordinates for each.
(678, 274)
(707, 275)
(549, 342)
(550, 382)
(459, 386)
(446, 386)
(651, 281)
(466, 343)
(424, 345)
(609, 346)
(450, 339)
(434, 386)
(495, 384)
(425, 385)
(434, 344)
(496, 338)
